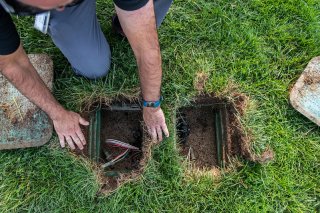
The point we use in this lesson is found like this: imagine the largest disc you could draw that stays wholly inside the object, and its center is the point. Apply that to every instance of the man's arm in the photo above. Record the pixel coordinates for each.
(17, 68)
(139, 27)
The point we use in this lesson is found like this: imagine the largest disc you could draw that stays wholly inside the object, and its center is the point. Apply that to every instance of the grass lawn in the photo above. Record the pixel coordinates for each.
(255, 47)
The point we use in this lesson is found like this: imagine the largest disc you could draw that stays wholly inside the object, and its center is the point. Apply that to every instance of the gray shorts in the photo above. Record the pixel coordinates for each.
(77, 33)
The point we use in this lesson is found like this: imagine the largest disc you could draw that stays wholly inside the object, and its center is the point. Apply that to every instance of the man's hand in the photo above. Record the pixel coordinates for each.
(139, 27)
(17, 68)
(68, 129)
(155, 122)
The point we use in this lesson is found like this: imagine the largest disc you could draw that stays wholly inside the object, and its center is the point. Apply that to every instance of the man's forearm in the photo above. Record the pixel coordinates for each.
(140, 29)
(17, 68)
(20, 72)
(150, 75)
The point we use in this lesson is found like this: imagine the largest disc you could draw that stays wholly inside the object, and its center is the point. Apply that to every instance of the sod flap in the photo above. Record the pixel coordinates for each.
(23, 124)
(209, 133)
(116, 142)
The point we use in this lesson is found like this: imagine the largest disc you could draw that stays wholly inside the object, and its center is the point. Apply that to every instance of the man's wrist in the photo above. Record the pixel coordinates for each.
(56, 112)
(152, 104)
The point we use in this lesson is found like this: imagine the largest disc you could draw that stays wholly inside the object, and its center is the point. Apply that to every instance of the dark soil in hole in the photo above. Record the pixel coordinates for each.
(124, 124)
(198, 143)
(196, 129)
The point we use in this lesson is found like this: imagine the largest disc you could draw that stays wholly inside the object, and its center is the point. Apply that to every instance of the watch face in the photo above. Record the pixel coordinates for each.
(151, 104)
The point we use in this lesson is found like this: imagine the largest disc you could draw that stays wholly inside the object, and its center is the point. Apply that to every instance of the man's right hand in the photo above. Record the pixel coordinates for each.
(67, 126)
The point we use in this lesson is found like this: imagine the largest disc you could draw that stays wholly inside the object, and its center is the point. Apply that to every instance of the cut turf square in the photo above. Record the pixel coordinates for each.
(116, 142)
(209, 133)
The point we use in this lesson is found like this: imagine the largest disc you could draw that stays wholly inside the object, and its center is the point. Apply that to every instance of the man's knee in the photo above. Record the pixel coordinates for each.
(94, 69)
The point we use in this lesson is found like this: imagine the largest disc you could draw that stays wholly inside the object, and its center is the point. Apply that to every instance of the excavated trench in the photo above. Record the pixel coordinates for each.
(116, 142)
(209, 132)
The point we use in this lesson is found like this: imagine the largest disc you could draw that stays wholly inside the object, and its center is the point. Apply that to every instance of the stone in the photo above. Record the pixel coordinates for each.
(23, 124)
(305, 94)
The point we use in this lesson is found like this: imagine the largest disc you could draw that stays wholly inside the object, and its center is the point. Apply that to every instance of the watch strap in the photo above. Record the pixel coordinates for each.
(153, 104)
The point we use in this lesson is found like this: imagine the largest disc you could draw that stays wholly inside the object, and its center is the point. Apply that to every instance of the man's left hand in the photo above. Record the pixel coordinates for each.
(155, 122)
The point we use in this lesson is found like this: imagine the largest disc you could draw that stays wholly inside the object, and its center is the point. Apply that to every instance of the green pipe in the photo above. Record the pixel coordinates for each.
(91, 135)
(94, 135)
(220, 135)
(98, 140)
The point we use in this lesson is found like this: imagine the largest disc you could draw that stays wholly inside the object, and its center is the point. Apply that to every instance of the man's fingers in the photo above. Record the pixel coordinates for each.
(165, 130)
(83, 121)
(81, 137)
(153, 133)
(62, 142)
(159, 133)
(70, 142)
(77, 141)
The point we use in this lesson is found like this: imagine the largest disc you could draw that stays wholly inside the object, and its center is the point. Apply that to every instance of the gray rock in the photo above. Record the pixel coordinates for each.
(23, 124)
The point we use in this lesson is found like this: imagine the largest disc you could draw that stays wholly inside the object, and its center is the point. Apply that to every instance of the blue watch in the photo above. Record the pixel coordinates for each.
(153, 104)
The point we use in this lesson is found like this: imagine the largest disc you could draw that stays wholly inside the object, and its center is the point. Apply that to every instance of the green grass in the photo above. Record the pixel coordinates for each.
(255, 47)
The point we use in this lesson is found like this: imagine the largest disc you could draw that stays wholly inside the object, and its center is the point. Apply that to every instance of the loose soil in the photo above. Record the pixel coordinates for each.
(197, 134)
(126, 126)
(199, 145)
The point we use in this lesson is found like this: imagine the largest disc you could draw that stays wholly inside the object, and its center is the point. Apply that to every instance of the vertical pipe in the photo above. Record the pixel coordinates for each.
(91, 135)
(220, 135)
(94, 135)
(98, 140)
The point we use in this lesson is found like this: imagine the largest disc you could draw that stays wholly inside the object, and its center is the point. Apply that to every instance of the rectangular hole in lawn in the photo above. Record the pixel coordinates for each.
(125, 126)
(119, 122)
(208, 133)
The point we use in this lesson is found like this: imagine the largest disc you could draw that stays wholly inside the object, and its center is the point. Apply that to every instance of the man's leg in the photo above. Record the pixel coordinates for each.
(161, 8)
(77, 33)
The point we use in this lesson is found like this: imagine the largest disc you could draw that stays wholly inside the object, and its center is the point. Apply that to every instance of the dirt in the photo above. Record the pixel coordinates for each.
(266, 156)
(199, 146)
(197, 131)
(311, 78)
(311, 74)
(126, 126)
